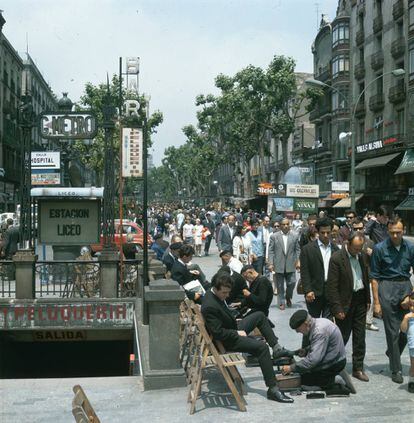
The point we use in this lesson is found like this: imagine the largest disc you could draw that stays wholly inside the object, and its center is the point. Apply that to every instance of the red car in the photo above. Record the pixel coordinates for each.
(127, 227)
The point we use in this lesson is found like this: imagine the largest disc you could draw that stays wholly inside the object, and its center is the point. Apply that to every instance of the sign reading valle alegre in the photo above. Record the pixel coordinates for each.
(73, 125)
(69, 222)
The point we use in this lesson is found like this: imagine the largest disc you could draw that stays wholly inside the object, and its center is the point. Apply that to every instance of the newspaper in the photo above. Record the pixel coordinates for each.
(195, 286)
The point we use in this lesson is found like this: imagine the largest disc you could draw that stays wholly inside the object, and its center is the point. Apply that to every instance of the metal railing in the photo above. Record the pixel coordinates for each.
(7, 279)
(129, 269)
(65, 279)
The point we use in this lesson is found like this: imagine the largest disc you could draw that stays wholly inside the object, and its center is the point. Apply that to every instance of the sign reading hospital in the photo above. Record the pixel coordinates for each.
(45, 167)
(302, 191)
(73, 125)
(69, 222)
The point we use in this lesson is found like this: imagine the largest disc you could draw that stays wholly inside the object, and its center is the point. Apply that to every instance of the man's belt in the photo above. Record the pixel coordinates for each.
(399, 279)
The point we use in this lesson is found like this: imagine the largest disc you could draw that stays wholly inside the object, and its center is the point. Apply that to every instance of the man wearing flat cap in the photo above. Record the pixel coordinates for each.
(325, 357)
(171, 254)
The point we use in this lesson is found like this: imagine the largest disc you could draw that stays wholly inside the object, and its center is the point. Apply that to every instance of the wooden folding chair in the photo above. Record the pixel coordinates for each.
(210, 357)
(81, 407)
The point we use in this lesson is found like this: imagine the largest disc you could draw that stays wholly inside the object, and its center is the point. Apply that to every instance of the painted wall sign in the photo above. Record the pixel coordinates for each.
(73, 125)
(308, 191)
(69, 315)
(69, 222)
(340, 186)
(267, 188)
(59, 335)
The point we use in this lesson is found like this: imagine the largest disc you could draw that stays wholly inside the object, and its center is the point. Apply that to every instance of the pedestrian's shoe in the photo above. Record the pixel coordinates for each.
(411, 387)
(371, 326)
(289, 302)
(274, 394)
(397, 377)
(360, 375)
(275, 291)
(282, 306)
(279, 352)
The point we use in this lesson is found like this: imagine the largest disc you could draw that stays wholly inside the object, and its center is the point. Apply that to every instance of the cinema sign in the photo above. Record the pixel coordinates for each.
(73, 125)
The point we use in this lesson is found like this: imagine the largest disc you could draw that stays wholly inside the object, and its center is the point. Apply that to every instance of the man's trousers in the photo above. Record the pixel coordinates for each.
(391, 293)
(256, 347)
(355, 322)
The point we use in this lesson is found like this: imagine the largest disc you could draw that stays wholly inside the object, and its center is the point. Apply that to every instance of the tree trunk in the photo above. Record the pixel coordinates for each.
(284, 143)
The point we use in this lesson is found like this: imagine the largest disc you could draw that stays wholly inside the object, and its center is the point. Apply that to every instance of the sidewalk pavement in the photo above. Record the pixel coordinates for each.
(122, 399)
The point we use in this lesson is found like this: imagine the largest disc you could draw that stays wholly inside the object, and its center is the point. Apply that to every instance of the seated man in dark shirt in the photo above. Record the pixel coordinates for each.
(259, 294)
(234, 335)
(236, 294)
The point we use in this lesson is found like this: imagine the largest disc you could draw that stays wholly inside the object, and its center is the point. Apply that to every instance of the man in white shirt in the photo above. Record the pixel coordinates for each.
(227, 259)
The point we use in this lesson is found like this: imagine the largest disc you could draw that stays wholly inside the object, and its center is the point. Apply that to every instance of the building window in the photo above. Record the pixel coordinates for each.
(378, 127)
(340, 100)
(411, 16)
(340, 34)
(340, 64)
(361, 132)
(400, 121)
(411, 61)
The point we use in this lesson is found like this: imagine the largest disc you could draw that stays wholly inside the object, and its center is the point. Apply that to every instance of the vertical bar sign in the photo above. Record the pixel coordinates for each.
(132, 145)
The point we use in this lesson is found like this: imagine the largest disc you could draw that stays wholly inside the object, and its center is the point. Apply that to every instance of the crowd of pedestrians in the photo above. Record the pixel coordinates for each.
(348, 272)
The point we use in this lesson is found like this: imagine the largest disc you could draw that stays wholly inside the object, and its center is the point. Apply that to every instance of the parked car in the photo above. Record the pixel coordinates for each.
(127, 227)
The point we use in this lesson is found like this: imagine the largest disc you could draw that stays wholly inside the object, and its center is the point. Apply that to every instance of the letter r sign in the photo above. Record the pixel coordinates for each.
(131, 108)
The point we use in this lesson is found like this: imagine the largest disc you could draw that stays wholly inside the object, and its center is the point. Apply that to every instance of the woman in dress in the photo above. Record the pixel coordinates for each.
(198, 240)
(241, 246)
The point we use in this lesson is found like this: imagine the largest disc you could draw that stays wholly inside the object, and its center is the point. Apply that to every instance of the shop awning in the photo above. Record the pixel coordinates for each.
(345, 203)
(376, 161)
(407, 163)
(407, 204)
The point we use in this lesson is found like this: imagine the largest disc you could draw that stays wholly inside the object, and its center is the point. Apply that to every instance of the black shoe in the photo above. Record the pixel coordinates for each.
(275, 395)
(411, 387)
(282, 352)
(397, 378)
(337, 390)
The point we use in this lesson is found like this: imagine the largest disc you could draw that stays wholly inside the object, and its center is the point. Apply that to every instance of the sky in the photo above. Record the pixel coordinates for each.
(182, 44)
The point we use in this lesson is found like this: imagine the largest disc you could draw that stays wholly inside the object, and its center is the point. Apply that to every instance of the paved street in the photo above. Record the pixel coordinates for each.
(122, 399)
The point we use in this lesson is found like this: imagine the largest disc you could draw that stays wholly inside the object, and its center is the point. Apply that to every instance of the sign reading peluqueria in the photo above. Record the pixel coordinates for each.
(69, 222)
(67, 315)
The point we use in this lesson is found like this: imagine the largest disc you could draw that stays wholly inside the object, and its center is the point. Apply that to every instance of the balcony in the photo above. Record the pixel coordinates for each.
(359, 71)
(360, 37)
(360, 109)
(319, 111)
(376, 102)
(324, 74)
(397, 93)
(377, 60)
(377, 25)
(398, 10)
(398, 48)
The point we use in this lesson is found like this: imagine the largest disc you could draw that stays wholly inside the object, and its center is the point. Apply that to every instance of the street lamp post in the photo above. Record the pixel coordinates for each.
(352, 135)
(65, 105)
(26, 121)
(108, 124)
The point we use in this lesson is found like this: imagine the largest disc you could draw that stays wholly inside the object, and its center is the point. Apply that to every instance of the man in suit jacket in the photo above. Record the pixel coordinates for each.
(259, 296)
(223, 327)
(314, 265)
(283, 259)
(347, 291)
(225, 235)
(346, 229)
(182, 274)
